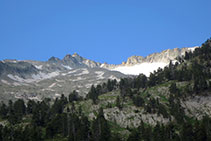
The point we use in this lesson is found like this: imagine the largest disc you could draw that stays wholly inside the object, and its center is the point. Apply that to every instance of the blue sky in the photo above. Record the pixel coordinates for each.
(102, 30)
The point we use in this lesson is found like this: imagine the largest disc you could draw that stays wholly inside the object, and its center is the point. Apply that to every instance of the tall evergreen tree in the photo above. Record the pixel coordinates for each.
(100, 129)
(93, 94)
(3, 110)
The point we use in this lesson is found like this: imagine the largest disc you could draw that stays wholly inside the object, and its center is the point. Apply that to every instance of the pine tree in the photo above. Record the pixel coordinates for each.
(20, 108)
(3, 110)
(93, 94)
(134, 136)
(173, 89)
(31, 105)
(73, 96)
(1, 133)
(100, 129)
(119, 103)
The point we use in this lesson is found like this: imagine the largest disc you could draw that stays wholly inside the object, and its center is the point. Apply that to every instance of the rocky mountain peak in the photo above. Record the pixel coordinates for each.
(134, 60)
(68, 57)
(54, 59)
(123, 63)
(76, 55)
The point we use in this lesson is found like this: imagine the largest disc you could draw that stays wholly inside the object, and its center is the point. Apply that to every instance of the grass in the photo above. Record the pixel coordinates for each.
(115, 127)
(86, 106)
(27, 119)
(1, 120)
(163, 99)
(128, 102)
(58, 138)
(109, 95)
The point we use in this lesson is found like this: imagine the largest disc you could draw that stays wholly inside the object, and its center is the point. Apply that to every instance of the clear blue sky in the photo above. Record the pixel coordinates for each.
(101, 30)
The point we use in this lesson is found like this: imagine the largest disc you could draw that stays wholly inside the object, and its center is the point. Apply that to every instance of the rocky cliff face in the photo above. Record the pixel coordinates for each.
(164, 57)
(167, 55)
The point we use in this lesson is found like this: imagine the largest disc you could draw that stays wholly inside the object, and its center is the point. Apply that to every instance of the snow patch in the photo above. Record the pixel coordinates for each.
(18, 97)
(17, 84)
(49, 89)
(49, 75)
(192, 48)
(88, 85)
(85, 71)
(34, 98)
(57, 80)
(77, 79)
(102, 65)
(67, 67)
(57, 95)
(59, 85)
(79, 86)
(63, 74)
(100, 74)
(114, 77)
(74, 71)
(5, 82)
(145, 68)
(39, 67)
(52, 85)
(13, 61)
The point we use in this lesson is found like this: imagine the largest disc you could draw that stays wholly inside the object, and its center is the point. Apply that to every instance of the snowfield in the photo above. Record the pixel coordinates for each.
(145, 68)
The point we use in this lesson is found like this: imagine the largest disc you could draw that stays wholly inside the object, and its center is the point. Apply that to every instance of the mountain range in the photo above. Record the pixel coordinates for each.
(29, 79)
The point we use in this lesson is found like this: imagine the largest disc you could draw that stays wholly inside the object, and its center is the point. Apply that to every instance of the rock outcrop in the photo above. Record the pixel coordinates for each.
(164, 56)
